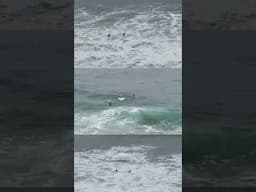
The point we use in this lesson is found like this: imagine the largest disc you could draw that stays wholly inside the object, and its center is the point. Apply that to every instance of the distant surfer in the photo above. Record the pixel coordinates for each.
(133, 96)
(123, 34)
(116, 170)
(109, 35)
(129, 171)
(109, 104)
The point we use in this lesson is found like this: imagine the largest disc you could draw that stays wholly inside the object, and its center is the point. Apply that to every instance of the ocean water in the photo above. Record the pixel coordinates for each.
(131, 166)
(155, 108)
(227, 157)
(152, 28)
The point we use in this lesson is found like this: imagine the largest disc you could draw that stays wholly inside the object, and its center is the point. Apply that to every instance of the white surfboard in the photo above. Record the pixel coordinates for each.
(121, 98)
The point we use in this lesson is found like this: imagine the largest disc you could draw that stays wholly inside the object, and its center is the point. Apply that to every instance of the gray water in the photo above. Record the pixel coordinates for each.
(152, 28)
(155, 108)
(128, 163)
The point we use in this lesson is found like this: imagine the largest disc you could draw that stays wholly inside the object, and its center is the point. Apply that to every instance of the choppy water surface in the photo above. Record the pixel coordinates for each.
(152, 34)
(155, 107)
(127, 168)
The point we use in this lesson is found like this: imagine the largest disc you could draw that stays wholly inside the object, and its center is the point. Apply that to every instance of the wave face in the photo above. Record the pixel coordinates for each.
(95, 170)
(153, 36)
(155, 107)
(129, 120)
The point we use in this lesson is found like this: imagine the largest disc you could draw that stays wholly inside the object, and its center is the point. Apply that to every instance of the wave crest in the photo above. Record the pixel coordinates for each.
(129, 120)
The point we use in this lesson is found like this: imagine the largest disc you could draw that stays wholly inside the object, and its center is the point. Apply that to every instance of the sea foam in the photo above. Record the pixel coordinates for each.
(153, 38)
(95, 170)
(129, 120)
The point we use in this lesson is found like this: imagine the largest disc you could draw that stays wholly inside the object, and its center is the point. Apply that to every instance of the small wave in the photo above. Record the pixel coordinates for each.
(132, 120)
(153, 38)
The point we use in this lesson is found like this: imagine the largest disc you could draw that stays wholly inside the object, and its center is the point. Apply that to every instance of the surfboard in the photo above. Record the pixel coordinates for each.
(121, 98)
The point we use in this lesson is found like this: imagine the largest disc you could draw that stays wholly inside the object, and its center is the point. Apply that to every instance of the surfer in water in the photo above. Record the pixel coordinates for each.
(109, 35)
(123, 34)
(109, 104)
(133, 96)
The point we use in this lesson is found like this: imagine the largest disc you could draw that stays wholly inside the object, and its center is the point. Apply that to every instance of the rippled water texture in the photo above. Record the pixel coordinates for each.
(123, 168)
(152, 36)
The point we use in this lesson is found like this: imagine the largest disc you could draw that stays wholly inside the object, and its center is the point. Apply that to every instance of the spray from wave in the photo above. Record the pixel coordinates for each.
(129, 120)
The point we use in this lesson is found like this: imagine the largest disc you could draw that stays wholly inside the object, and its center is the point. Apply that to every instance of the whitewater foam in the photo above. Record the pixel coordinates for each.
(153, 38)
(128, 120)
(95, 170)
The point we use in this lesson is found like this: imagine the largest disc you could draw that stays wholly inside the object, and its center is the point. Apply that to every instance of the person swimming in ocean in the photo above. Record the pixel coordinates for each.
(109, 35)
(123, 34)
(116, 170)
(109, 104)
(133, 96)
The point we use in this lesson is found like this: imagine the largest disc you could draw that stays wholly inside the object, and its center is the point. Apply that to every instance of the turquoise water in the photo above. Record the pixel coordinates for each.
(155, 107)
